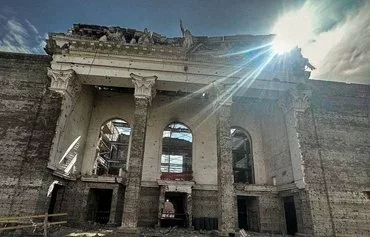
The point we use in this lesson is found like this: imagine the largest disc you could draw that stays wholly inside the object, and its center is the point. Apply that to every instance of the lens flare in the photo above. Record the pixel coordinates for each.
(293, 29)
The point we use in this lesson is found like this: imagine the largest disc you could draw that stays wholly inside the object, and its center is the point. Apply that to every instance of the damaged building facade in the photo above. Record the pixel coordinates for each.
(116, 122)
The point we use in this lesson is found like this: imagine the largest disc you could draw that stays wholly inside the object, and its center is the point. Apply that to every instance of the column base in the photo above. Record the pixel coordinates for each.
(128, 232)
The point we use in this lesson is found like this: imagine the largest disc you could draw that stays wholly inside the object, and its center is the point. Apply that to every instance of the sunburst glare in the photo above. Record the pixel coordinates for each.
(293, 29)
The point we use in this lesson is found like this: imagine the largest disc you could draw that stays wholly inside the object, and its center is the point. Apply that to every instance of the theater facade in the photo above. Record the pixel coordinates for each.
(114, 123)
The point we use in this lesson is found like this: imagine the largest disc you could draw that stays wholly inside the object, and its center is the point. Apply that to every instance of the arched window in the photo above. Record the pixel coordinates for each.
(112, 149)
(177, 152)
(242, 156)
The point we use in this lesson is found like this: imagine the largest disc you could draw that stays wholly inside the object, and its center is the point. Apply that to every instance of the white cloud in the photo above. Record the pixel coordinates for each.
(342, 53)
(32, 27)
(19, 36)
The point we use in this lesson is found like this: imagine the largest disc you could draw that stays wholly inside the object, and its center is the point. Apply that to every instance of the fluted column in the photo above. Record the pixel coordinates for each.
(67, 84)
(144, 92)
(226, 193)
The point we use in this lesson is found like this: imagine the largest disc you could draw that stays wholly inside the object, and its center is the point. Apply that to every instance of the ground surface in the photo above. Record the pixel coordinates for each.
(96, 230)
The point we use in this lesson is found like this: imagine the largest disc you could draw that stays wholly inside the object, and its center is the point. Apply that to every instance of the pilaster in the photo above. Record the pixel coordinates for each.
(226, 193)
(67, 84)
(144, 92)
(294, 104)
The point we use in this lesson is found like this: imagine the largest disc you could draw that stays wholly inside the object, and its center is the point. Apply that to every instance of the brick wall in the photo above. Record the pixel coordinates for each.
(28, 115)
(271, 213)
(149, 204)
(335, 136)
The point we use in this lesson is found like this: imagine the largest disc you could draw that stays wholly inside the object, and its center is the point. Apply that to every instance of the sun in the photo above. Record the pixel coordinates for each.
(293, 29)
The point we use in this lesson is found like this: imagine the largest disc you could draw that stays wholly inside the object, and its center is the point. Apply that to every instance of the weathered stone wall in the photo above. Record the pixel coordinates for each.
(205, 203)
(303, 212)
(28, 115)
(149, 203)
(270, 213)
(335, 136)
(76, 196)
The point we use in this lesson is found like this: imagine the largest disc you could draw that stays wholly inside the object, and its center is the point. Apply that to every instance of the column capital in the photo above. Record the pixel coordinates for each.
(64, 82)
(298, 100)
(144, 86)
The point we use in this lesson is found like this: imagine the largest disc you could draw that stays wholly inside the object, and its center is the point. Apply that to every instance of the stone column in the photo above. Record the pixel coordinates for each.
(226, 193)
(113, 207)
(294, 104)
(189, 206)
(144, 92)
(162, 194)
(65, 83)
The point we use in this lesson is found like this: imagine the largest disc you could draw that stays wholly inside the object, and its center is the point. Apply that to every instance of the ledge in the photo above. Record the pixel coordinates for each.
(103, 179)
(62, 175)
(175, 182)
(253, 189)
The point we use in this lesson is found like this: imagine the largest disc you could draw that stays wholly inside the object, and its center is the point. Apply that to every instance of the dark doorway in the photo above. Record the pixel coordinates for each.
(290, 215)
(179, 202)
(56, 200)
(99, 204)
(248, 218)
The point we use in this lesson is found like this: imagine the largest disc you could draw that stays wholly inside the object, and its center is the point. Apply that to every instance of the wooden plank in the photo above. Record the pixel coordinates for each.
(33, 225)
(5, 219)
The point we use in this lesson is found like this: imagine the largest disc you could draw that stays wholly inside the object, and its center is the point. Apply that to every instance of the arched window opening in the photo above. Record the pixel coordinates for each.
(112, 148)
(242, 157)
(177, 151)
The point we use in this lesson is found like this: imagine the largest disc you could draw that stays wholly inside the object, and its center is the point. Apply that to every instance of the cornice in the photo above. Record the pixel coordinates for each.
(166, 52)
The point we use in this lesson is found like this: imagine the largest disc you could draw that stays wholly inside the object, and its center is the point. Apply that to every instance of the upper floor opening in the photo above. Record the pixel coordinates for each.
(113, 147)
(177, 152)
(242, 156)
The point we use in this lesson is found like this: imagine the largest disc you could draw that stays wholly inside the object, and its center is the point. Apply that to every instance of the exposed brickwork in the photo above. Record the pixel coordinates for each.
(226, 194)
(270, 213)
(28, 115)
(335, 136)
(75, 197)
(303, 212)
(132, 194)
(205, 203)
(149, 201)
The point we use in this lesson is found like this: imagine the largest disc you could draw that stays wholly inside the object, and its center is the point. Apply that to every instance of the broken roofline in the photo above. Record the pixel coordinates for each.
(243, 51)
(96, 31)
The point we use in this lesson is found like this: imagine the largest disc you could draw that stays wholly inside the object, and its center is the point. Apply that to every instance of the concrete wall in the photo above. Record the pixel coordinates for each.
(276, 145)
(77, 124)
(191, 112)
(28, 115)
(335, 137)
(247, 116)
(106, 106)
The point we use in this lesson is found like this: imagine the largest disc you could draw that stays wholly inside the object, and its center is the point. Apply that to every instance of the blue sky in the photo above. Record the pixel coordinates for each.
(24, 24)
